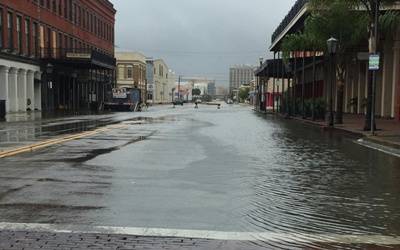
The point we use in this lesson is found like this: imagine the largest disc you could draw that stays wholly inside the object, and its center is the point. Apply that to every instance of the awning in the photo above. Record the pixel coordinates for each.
(278, 68)
(274, 68)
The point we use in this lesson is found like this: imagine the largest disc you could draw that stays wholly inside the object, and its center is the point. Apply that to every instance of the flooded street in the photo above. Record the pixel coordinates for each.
(228, 170)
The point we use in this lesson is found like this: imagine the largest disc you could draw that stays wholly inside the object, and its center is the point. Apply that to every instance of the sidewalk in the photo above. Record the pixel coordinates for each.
(22, 129)
(387, 135)
(19, 240)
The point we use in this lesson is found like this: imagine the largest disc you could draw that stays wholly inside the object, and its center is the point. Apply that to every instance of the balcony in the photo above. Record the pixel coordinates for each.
(87, 58)
(293, 13)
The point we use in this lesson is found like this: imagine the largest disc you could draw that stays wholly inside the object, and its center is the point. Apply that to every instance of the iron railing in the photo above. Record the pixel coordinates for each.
(297, 7)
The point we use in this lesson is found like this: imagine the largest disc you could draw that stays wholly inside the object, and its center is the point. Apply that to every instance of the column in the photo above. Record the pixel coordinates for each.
(21, 89)
(12, 89)
(4, 86)
(383, 86)
(353, 85)
(30, 93)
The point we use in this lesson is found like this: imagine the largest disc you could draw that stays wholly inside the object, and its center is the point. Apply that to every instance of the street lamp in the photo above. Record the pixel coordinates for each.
(332, 44)
(261, 60)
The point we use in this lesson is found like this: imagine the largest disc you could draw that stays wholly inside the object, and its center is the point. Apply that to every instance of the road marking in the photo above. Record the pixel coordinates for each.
(51, 142)
(376, 146)
(202, 234)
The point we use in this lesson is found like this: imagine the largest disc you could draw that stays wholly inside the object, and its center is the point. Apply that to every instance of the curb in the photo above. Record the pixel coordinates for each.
(373, 139)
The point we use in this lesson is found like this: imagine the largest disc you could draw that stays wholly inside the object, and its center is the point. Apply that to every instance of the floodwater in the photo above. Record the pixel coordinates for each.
(229, 170)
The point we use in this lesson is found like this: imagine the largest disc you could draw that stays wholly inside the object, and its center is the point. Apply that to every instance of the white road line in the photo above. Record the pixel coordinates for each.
(202, 234)
(378, 147)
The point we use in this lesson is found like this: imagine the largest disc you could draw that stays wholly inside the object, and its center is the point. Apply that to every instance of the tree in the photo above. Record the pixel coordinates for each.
(196, 92)
(372, 11)
(244, 93)
(335, 18)
(373, 8)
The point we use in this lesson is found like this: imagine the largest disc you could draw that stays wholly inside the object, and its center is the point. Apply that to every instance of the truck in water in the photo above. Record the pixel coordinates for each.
(124, 99)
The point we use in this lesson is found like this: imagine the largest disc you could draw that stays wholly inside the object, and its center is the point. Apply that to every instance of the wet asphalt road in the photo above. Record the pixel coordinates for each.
(227, 170)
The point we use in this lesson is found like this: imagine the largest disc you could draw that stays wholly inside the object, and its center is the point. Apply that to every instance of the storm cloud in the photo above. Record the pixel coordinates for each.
(199, 37)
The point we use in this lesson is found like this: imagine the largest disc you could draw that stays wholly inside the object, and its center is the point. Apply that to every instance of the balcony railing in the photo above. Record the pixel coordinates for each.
(89, 55)
(297, 7)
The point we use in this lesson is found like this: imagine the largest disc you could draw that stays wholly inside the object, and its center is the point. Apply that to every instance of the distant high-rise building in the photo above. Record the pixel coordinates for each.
(211, 88)
(239, 75)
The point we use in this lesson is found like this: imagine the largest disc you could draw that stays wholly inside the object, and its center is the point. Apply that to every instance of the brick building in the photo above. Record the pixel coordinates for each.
(56, 54)
(131, 72)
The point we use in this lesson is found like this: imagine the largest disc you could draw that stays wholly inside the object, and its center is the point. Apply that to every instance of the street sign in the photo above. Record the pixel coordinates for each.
(78, 55)
(374, 61)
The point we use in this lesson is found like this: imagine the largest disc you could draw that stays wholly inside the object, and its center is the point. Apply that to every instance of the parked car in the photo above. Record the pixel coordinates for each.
(178, 102)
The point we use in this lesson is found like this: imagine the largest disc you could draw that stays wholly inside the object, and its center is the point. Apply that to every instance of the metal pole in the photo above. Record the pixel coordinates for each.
(303, 87)
(283, 101)
(273, 84)
(179, 88)
(374, 75)
(313, 88)
(294, 87)
(332, 76)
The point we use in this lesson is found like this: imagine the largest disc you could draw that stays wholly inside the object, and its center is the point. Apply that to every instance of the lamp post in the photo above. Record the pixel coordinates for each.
(374, 72)
(49, 85)
(332, 45)
(260, 88)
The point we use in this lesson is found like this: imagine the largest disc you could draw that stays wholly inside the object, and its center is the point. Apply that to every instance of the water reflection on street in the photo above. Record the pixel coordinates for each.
(208, 169)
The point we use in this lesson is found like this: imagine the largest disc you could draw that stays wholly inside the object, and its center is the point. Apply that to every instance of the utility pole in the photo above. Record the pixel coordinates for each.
(179, 88)
(374, 72)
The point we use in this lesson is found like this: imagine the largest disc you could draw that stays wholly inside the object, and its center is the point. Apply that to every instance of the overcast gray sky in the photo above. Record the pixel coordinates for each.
(199, 37)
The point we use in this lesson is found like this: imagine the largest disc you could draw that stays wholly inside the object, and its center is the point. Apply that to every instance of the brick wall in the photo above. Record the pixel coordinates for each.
(96, 32)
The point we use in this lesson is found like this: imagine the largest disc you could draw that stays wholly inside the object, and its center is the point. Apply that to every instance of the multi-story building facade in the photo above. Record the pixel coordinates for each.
(211, 89)
(171, 84)
(150, 79)
(131, 71)
(56, 55)
(304, 68)
(239, 75)
(159, 81)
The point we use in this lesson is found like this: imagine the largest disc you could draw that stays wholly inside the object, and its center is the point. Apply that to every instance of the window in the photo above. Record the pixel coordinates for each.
(54, 6)
(75, 14)
(129, 72)
(65, 42)
(28, 36)
(48, 44)
(160, 70)
(59, 7)
(65, 9)
(19, 34)
(10, 24)
(121, 72)
(70, 10)
(35, 38)
(1, 28)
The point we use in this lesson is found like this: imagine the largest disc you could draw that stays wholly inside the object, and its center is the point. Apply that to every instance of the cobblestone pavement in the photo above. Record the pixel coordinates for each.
(25, 240)
(10, 240)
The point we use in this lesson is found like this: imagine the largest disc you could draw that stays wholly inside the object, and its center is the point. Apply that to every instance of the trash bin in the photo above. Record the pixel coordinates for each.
(2, 109)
